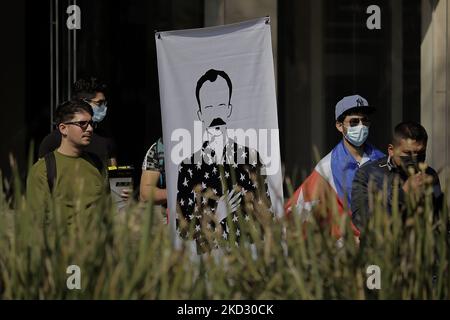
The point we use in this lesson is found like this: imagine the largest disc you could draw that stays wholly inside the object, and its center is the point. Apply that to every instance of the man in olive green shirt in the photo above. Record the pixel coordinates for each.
(79, 181)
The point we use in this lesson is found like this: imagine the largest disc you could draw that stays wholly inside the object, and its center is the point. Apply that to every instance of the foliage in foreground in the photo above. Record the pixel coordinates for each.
(130, 256)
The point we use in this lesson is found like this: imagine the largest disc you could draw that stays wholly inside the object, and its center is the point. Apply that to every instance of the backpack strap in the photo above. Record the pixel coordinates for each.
(50, 164)
(96, 161)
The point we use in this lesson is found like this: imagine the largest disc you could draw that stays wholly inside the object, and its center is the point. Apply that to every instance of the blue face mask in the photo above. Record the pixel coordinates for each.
(99, 112)
(357, 135)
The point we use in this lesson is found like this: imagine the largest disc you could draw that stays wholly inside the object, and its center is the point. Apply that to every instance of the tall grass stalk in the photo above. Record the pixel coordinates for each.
(129, 255)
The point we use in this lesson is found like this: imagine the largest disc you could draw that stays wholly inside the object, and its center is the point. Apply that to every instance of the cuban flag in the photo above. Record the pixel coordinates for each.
(332, 176)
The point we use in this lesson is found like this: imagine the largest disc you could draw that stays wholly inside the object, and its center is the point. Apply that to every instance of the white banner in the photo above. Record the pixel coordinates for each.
(220, 126)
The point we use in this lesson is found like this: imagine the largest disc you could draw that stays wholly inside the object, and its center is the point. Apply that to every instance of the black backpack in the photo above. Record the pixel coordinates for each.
(50, 164)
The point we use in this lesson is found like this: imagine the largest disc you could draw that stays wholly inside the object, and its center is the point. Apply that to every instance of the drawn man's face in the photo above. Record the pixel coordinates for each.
(215, 109)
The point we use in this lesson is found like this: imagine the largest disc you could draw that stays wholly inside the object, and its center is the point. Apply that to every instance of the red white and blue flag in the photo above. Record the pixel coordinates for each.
(333, 175)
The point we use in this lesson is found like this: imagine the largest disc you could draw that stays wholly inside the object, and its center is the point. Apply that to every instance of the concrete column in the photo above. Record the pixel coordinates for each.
(317, 76)
(219, 12)
(396, 61)
(435, 87)
(214, 12)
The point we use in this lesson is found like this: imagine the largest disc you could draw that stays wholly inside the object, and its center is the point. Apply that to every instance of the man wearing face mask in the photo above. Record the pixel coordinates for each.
(405, 162)
(333, 175)
(93, 92)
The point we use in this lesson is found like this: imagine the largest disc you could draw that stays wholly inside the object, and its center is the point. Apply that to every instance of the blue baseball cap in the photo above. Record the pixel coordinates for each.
(352, 102)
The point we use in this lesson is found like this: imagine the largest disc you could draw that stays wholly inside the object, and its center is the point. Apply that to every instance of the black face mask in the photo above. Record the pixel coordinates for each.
(412, 161)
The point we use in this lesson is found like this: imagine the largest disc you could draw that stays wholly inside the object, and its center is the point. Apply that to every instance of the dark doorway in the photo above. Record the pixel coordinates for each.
(116, 44)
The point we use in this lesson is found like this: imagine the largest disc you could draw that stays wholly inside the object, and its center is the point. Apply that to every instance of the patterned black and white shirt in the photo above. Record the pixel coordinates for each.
(154, 161)
(202, 182)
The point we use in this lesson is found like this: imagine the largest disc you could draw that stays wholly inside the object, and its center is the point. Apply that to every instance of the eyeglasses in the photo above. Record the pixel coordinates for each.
(356, 121)
(83, 124)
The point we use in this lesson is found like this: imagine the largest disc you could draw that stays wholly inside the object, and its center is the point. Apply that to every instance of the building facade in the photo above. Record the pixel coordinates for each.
(323, 50)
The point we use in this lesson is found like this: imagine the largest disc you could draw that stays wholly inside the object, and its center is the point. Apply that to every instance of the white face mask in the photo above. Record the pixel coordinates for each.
(99, 112)
(357, 135)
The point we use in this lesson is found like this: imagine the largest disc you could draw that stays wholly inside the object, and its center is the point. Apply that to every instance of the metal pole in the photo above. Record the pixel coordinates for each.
(57, 51)
(69, 63)
(51, 65)
(74, 51)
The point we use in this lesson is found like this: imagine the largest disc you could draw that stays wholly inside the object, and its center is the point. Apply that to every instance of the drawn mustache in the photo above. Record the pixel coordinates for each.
(217, 122)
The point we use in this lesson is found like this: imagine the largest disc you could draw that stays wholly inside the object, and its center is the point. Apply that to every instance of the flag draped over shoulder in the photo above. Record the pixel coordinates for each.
(330, 183)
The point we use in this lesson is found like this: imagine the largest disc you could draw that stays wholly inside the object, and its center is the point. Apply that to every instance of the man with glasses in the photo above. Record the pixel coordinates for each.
(93, 92)
(74, 177)
(333, 175)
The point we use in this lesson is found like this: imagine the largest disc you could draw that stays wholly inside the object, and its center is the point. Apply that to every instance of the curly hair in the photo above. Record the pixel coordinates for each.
(87, 88)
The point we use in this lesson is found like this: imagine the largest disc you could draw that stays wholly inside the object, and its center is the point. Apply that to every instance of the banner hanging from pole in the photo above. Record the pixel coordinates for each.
(220, 128)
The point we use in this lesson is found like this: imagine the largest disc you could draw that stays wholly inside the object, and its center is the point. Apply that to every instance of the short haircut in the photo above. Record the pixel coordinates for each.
(353, 111)
(409, 130)
(211, 75)
(87, 88)
(66, 111)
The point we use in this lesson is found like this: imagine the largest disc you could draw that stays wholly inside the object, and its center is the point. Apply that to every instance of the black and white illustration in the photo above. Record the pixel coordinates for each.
(220, 128)
(223, 175)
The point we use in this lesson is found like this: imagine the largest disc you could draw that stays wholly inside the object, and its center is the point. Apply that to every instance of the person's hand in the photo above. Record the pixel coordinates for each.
(228, 203)
(416, 183)
(126, 194)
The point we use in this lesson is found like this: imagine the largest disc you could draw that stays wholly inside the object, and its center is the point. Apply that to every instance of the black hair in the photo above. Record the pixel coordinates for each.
(211, 75)
(409, 130)
(87, 88)
(67, 110)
